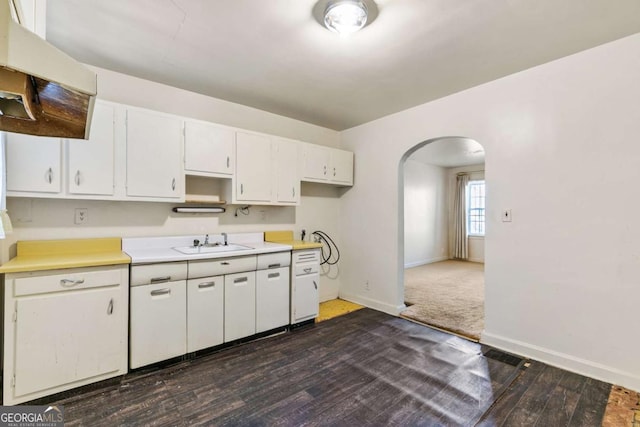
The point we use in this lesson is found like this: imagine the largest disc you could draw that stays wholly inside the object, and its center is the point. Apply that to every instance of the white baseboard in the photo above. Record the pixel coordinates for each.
(425, 261)
(480, 260)
(564, 361)
(375, 304)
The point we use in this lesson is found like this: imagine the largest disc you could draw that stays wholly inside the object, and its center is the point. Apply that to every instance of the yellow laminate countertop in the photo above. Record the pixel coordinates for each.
(38, 255)
(286, 238)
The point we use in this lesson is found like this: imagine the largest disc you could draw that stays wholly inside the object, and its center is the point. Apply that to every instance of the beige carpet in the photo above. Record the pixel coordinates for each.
(448, 295)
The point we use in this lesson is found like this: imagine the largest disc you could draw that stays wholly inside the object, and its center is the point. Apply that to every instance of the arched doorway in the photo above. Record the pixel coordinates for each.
(442, 236)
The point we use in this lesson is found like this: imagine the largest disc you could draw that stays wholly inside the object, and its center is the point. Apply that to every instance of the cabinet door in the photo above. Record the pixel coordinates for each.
(205, 312)
(305, 301)
(154, 155)
(208, 148)
(341, 169)
(272, 298)
(66, 337)
(239, 305)
(315, 162)
(253, 168)
(158, 322)
(91, 168)
(33, 163)
(286, 160)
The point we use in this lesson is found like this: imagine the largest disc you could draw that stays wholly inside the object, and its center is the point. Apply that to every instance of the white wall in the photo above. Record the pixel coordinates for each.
(53, 219)
(425, 214)
(562, 152)
(475, 243)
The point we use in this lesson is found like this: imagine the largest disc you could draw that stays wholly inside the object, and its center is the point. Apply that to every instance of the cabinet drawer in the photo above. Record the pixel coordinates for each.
(65, 280)
(158, 273)
(221, 266)
(277, 260)
(307, 268)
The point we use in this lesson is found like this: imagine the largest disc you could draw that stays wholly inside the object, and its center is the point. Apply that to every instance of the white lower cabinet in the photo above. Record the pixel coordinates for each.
(187, 306)
(239, 305)
(205, 312)
(305, 280)
(305, 298)
(158, 322)
(272, 298)
(63, 329)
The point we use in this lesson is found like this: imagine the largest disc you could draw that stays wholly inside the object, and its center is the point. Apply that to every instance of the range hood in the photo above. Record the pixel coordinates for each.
(43, 91)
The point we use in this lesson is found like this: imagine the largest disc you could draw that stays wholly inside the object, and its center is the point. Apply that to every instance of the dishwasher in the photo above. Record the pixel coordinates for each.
(305, 280)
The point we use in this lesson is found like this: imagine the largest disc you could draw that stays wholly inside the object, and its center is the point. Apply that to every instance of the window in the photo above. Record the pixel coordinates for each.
(475, 208)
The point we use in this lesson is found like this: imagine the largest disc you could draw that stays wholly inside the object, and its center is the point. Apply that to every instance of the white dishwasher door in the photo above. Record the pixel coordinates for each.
(239, 305)
(305, 297)
(205, 312)
(158, 322)
(272, 298)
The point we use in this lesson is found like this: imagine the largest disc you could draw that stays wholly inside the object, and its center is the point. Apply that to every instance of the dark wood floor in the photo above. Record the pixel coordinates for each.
(364, 368)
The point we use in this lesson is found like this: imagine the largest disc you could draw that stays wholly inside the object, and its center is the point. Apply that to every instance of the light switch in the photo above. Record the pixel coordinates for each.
(506, 215)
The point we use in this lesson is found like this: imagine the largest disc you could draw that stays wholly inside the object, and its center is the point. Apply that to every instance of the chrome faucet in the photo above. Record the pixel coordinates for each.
(224, 236)
(206, 240)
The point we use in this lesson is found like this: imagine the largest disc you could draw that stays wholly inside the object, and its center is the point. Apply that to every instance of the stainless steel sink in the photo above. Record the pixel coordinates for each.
(193, 250)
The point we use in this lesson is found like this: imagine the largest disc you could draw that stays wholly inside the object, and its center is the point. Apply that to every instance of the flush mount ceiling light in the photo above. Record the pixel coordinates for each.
(345, 16)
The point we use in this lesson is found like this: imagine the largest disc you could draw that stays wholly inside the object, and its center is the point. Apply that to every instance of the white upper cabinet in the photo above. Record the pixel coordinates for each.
(143, 155)
(208, 149)
(315, 162)
(286, 166)
(34, 164)
(253, 179)
(91, 163)
(325, 164)
(154, 155)
(341, 166)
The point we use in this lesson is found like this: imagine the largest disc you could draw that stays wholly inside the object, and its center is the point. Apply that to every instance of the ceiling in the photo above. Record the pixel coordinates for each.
(450, 152)
(273, 55)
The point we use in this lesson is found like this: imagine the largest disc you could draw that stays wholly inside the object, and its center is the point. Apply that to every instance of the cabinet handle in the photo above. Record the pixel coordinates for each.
(241, 280)
(160, 279)
(307, 270)
(49, 176)
(78, 178)
(165, 291)
(315, 285)
(325, 170)
(69, 283)
(224, 263)
(110, 307)
(274, 265)
(206, 285)
(241, 189)
(228, 162)
(273, 275)
(293, 191)
(334, 171)
(173, 184)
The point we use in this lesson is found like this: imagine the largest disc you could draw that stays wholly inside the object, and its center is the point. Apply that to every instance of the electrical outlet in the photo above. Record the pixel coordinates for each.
(81, 215)
(506, 215)
(366, 285)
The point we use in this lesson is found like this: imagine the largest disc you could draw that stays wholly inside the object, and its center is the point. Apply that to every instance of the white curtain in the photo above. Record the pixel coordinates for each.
(460, 249)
